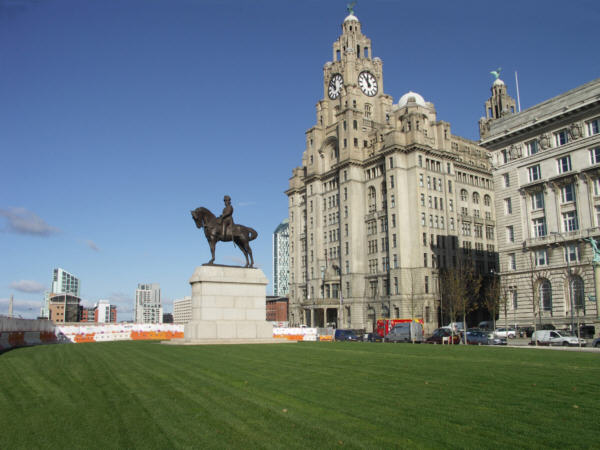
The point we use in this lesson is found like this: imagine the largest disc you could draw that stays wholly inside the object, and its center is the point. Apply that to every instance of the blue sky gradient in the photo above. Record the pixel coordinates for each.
(119, 117)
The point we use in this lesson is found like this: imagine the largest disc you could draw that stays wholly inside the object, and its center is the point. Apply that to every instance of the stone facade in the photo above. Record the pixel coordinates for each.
(385, 197)
(546, 169)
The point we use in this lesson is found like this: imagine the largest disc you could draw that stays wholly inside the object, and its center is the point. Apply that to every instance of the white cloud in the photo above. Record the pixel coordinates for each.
(27, 309)
(27, 286)
(92, 245)
(22, 221)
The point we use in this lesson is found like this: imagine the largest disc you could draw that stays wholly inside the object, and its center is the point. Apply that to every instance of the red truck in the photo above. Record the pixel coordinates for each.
(385, 325)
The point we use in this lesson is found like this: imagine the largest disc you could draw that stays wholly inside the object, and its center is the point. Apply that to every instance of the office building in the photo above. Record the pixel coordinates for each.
(386, 196)
(148, 307)
(546, 170)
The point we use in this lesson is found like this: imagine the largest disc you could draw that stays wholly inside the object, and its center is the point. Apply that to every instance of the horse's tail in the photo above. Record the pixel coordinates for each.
(252, 234)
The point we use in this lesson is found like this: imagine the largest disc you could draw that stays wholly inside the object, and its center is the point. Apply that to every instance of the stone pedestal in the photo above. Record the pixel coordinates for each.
(228, 306)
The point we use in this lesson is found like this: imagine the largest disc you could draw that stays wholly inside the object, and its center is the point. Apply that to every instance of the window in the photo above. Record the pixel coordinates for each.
(596, 183)
(422, 199)
(463, 195)
(514, 298)
(489, 232)
(532, 147)
(421, 179)
(507, 206)
(510, 234)
(475, 198)
(372, 196)
(451, 205)
(570, 221)
(423, 219)
(506, 179)
(539, 227)
(392, 181)
(512, 261)
(545, 295)
(561, 137)
(572, 253)
(424, 259)
(595, 155)
(541, 258)
(564, 164)
(593, 126)
(567, 193)
(420, 161)
(577, 291)
(450, 186)
(426, 284)
(537, 200)
(534, 172)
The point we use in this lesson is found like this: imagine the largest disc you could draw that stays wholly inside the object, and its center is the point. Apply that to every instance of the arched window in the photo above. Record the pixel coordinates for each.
(577, 291)
(476, 198)
(464, 195)
(372, 199)
(545, 295)
(487, 200)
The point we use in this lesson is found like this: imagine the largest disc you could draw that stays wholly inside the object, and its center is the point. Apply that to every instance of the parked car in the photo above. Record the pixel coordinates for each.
(456, 326)
(505, 332)
(486, 325)
(596, 342)
(477, 337)
(439, 334)
(405, 332)
(372, 337)
(555, 337)
(345, 335)
(587, 331)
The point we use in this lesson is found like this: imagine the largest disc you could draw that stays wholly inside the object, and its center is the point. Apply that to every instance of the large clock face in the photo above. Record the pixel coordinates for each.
(335, 86)
(367, 83)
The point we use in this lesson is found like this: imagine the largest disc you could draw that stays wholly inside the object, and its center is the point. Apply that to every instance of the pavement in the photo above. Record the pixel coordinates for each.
(524, 343)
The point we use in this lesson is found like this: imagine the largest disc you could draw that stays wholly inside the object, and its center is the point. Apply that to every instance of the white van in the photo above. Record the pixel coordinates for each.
(555, 337)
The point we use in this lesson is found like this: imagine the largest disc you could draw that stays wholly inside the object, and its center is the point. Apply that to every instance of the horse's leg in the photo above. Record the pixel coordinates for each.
(212, 243)
(242, 247)
(249, 250)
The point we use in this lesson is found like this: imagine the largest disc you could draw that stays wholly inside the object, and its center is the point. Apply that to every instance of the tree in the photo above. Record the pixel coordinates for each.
(461, 286)
(492, 297)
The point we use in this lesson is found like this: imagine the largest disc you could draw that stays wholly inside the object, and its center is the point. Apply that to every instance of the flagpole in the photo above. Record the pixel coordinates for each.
(518, 97)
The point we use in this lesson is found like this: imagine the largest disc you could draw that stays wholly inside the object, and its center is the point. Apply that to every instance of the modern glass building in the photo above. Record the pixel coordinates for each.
(281, 258)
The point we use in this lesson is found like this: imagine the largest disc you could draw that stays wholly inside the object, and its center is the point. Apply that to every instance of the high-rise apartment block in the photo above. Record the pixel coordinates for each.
(148, 307)
(546, 169)
(182, 310)
(385, 197)
(63, 282)
(281, 259)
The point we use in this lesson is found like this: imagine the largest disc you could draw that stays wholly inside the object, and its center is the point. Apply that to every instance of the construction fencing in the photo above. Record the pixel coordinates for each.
(26, 332)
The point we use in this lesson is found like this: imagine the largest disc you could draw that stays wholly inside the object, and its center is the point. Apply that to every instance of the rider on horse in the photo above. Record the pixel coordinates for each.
(226, 218)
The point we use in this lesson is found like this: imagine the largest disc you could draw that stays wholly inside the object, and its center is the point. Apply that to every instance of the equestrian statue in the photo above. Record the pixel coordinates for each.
(223, 229)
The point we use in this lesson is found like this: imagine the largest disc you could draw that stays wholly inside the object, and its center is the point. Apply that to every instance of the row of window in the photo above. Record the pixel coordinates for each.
(563, 165)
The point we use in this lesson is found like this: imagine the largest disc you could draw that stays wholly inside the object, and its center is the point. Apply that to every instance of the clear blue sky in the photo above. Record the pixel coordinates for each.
(117, 117)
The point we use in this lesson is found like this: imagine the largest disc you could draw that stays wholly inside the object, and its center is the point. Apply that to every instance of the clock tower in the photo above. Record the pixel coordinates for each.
(373, 207)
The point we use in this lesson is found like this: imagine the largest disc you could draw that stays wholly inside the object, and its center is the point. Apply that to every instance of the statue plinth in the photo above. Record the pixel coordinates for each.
(228, 307)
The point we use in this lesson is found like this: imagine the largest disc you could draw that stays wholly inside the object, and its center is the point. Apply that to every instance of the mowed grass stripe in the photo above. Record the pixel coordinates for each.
(325, 395)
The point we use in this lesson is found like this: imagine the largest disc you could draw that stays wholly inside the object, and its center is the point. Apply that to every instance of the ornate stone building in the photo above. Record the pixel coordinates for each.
(546, 168)
(385, 196)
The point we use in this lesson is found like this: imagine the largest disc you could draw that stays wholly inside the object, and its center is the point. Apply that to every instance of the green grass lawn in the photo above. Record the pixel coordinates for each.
(305, 395)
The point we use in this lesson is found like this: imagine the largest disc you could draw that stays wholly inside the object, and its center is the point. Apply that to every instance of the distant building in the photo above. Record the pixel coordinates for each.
(148, 307)
(167, 318)
(86, 314)
(546, 168)
(104, 312)
(277, 309)
(63, 282)
(281, 258)
(64, 308)
(182, 310)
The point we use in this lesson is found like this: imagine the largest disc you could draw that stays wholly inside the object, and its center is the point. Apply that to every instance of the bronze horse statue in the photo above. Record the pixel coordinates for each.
(240, 234)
